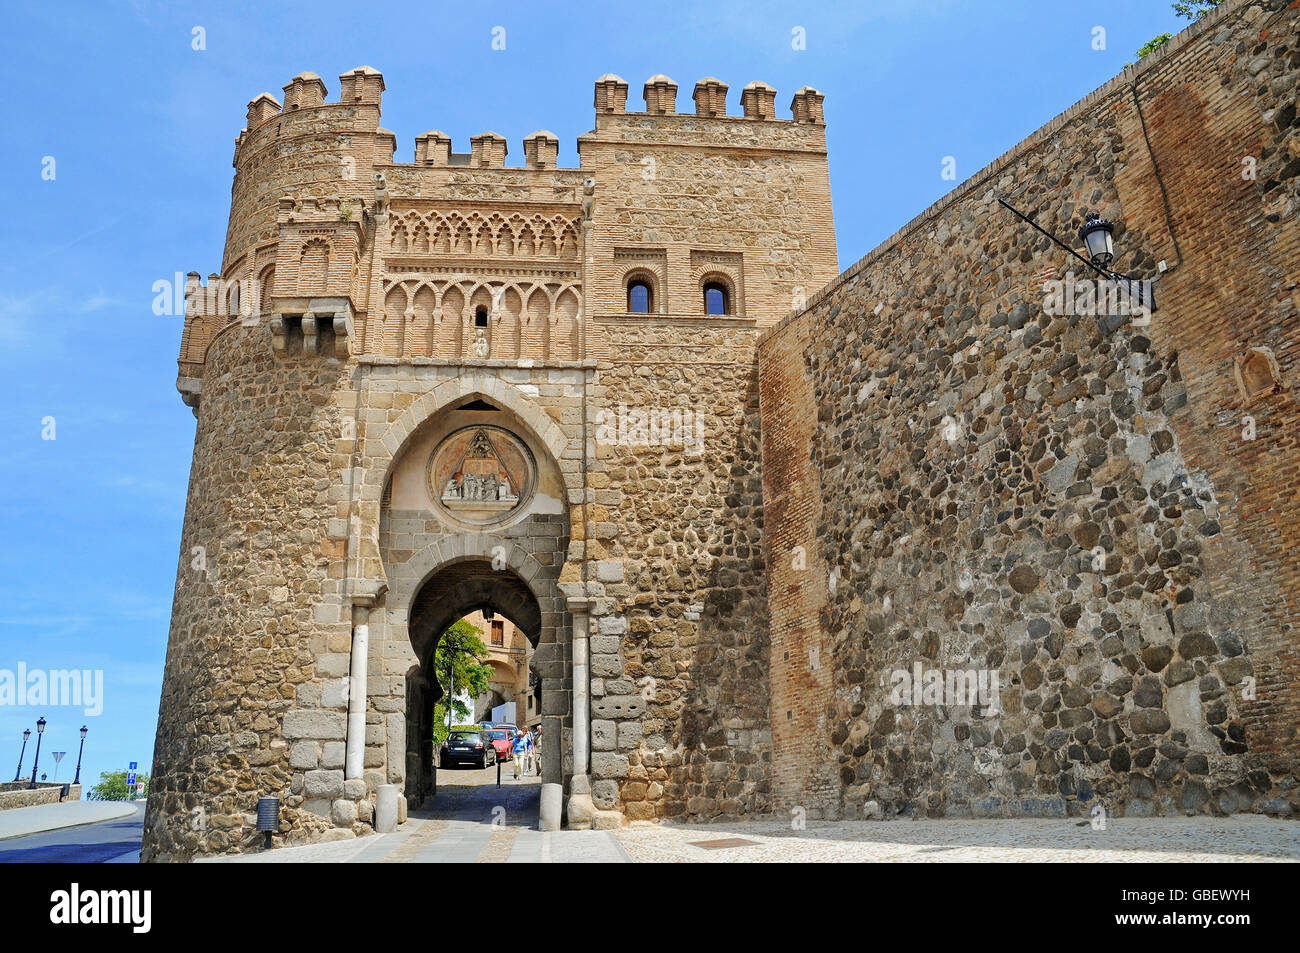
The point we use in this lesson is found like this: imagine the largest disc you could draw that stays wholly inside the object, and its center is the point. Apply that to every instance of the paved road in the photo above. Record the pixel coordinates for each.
(110, 841)
(470, 821)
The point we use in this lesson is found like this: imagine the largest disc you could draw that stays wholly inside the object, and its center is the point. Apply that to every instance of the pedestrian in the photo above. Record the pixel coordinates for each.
(521, 747)
(537, 751)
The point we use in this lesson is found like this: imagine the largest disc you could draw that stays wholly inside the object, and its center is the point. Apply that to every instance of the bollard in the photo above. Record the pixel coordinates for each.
(550, 808)
(498, 772)
(268, 818)
(387, 809)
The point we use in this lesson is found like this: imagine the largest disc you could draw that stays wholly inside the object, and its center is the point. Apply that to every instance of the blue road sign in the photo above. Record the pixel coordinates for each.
(132, 766)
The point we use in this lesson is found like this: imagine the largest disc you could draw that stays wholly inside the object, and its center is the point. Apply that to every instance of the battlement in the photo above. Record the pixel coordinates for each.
(364, 86)
(757, 100)
(361, 86)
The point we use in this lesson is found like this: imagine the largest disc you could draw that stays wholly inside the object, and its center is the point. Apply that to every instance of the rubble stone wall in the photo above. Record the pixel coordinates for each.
(1065, 501)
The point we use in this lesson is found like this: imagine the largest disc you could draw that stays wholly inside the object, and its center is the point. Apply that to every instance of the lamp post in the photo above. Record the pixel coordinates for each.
(26, 734)
(77, 779)
(40, 730)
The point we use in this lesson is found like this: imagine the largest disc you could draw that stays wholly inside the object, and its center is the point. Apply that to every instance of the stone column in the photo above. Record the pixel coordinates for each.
(581, 808)
(356, 745)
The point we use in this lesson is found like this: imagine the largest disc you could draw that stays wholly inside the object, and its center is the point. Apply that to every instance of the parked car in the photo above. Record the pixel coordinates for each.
(467, 746)
(501, 742)
(508, 727)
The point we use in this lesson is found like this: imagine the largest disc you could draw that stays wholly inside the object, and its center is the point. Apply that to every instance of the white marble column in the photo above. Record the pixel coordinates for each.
(356, 744)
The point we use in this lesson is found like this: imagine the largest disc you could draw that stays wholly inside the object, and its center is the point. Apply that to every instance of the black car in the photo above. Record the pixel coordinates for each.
(468, 747)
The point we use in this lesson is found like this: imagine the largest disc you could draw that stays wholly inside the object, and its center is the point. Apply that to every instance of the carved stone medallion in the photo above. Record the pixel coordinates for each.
(481, 474)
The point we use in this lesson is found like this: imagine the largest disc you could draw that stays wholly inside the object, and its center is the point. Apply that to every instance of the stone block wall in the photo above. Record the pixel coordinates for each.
(679, 647)
(261, 629)
(17, 794)
(1062, 500)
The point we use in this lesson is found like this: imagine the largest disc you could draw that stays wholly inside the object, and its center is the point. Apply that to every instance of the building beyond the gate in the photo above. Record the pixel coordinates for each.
(726, 496)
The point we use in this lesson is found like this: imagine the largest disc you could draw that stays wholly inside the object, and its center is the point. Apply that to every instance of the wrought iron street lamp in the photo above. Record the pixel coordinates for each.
(40, 730)
(26, 734)
(77, 779)
(1096, 234)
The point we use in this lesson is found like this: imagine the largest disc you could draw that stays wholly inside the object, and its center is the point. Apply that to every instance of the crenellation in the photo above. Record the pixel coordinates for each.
(541, 150)
(364, 85)
(385, 146)
(488, 150)
(710, 97)
(261, 109)
(611, 94)
(433, 148)
(304, 91)
(758, 100)
(806, 106)
(660, 95)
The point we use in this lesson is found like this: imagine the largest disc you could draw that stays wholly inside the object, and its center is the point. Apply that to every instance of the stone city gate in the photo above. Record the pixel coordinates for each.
(473, 516)
(443, 366)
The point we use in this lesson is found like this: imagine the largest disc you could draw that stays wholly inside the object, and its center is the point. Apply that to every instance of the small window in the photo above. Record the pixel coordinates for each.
(716, 299)
(480, 317)
(498, 633)
(640, 297)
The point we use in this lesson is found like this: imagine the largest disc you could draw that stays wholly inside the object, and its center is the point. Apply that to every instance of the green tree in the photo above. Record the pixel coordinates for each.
(1194, 9)
(462, 651)
(1188, 10)
(112, 787)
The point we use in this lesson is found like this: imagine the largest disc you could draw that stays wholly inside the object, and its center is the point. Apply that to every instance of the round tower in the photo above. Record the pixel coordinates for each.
(269, 372)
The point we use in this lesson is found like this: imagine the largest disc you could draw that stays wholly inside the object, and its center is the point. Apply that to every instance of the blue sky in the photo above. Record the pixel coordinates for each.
(141, 128)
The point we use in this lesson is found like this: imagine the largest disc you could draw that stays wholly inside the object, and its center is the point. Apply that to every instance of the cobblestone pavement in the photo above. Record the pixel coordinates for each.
(457, 827)
(1235, 839)
(470, 820)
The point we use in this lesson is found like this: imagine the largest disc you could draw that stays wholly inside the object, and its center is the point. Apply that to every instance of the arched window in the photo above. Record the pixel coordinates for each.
(480, 317)
(716, 298)
(640, 297)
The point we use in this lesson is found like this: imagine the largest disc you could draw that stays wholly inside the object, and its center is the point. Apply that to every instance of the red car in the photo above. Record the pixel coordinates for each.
(500, 739)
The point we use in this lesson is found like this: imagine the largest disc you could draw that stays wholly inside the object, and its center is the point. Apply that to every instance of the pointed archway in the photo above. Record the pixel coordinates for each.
(449, 593)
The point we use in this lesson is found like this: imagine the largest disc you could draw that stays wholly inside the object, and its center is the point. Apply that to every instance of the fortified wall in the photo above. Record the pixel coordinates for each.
(424, 389)
(428, 388)
(960, 476)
